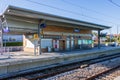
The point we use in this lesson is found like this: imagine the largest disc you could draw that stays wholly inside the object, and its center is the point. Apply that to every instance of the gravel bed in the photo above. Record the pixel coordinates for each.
(112, 75)
(82, 74)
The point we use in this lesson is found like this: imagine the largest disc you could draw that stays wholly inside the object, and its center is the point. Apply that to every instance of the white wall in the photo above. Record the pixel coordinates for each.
(44, 43)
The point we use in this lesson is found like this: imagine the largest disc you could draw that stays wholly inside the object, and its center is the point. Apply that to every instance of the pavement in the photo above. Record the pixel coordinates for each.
(16, 56)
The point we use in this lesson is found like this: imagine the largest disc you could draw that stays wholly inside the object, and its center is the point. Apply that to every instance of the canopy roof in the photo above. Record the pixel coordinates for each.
(22, 12)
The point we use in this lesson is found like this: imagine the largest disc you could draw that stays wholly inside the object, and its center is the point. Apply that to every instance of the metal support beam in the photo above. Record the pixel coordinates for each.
(41, 25)
(98, 39)
(1, 37)
(40, 36)
(39, 40)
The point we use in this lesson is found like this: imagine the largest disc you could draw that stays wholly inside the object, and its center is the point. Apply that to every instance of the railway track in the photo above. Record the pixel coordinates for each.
(38, 75)
(92, 72)
(113, 74)
(94, 77)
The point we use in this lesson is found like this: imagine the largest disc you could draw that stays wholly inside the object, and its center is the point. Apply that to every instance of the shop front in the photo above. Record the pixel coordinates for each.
(58, 41)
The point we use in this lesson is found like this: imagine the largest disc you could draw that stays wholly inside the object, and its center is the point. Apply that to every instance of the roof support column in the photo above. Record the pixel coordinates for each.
(41, 25)
(1, 37)
(98, 39)
(39, 37)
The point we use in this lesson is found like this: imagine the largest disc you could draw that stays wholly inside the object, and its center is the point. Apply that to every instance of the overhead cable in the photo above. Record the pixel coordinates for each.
(93, 11)
(69, 11)
(111, 1)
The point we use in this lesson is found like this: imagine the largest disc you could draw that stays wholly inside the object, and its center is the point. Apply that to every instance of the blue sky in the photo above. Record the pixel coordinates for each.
(96, 11)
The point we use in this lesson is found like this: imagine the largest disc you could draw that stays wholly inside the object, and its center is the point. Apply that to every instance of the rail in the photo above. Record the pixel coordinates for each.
(61, 68)
(104, 72)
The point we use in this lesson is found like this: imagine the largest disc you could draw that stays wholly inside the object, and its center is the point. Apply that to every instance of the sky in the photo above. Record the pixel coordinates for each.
(96, 11)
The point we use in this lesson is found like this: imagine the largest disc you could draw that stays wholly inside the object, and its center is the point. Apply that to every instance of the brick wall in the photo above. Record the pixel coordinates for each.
(65, 29)
(59, 29)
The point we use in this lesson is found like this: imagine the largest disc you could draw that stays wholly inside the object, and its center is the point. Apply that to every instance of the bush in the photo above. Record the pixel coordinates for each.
(13, 44)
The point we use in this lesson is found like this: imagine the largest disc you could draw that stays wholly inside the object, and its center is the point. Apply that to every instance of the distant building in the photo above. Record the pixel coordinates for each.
(95, 38)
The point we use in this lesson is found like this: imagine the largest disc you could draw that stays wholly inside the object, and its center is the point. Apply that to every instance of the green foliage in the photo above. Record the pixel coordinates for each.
(118, 39)
(110, 40)
(13, 44)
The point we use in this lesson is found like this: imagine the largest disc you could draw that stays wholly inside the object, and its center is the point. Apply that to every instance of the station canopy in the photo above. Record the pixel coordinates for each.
(31, 16)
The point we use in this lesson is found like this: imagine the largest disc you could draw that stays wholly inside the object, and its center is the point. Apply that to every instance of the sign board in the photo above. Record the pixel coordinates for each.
(76, 30)
(52, 37)
(6, 30)
(42, 25)
(35, 36)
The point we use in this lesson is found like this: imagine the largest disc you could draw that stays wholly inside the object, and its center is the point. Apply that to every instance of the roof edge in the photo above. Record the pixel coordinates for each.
(38, 12)
(4, 10)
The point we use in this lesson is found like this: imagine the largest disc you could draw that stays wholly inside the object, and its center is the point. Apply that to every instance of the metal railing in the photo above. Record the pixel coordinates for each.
(6, 50)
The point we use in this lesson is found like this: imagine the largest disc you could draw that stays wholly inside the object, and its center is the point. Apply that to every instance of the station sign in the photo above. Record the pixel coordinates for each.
(6, 30)
(42, 25)
(76, 30)
(52, 37)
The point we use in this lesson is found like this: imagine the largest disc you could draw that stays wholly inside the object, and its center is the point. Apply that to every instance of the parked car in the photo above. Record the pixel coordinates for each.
(114, 44)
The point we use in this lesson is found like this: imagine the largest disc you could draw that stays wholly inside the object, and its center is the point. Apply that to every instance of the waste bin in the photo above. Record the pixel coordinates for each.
(49, 49)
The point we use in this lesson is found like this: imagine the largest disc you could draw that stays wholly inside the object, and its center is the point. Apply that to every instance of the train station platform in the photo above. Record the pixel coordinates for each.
(20, 62)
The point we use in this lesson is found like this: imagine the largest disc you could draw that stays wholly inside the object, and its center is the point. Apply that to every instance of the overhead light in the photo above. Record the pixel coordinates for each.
(8, 10)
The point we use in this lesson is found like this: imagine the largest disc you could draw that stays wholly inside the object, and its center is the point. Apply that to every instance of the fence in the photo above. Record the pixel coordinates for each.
(10, 49)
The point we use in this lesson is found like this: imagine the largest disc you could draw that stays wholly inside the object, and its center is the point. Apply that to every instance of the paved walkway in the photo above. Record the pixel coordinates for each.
(16, 56)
